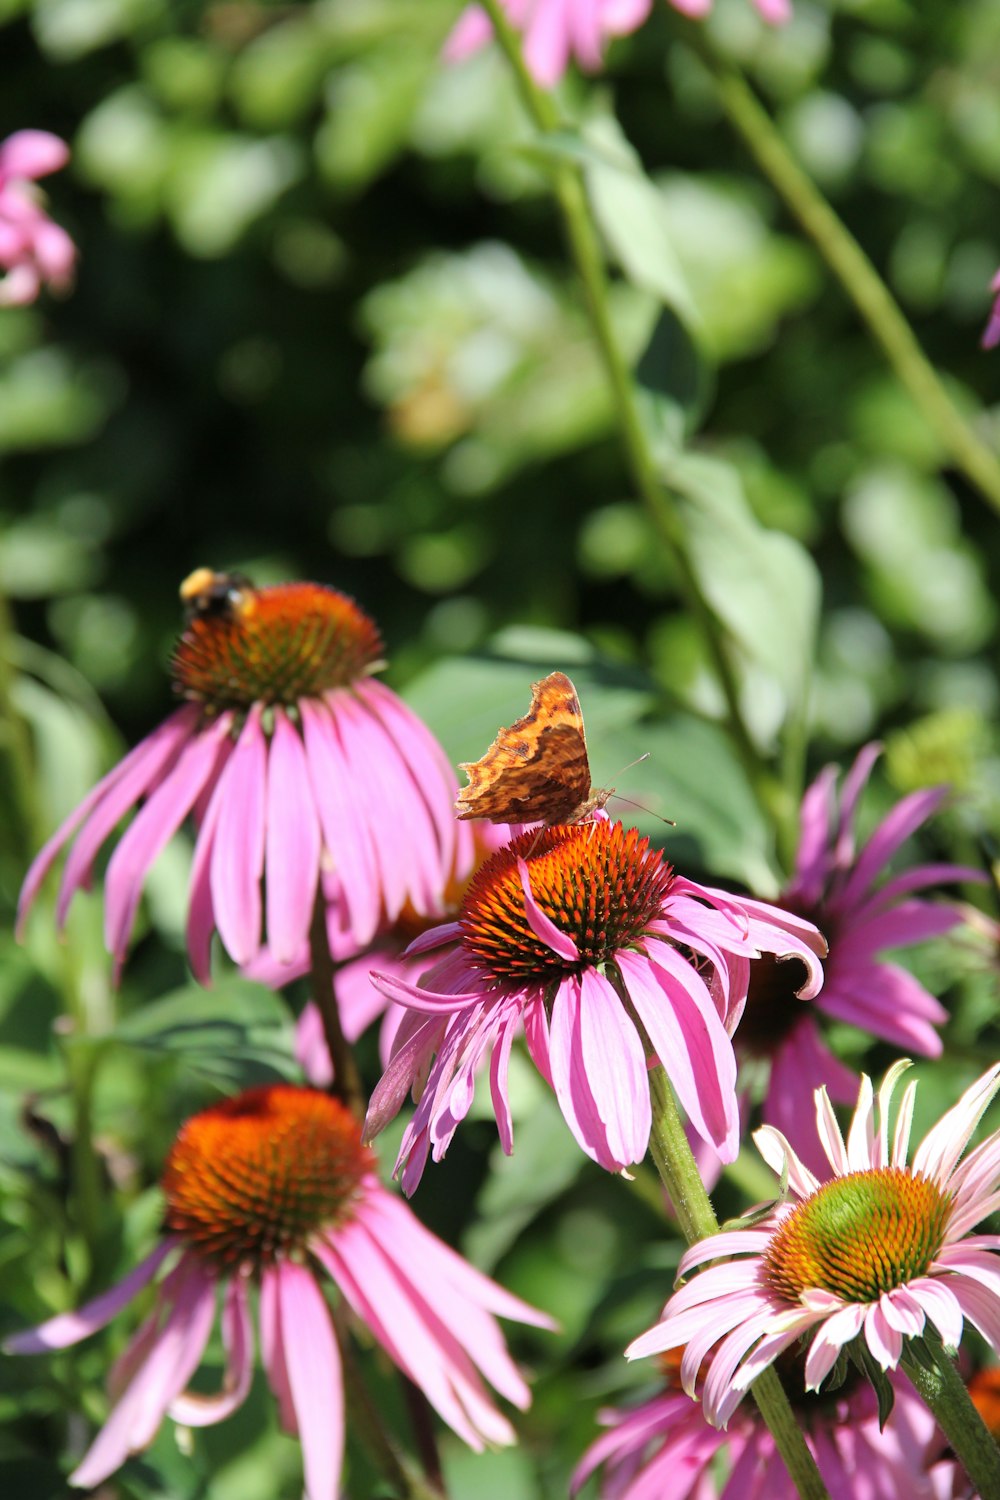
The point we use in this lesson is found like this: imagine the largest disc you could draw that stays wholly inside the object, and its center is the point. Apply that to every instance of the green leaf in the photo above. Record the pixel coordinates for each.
(233, 1033)
(673, 380)
(633, 217)
(693, 777)
(466, 699)
(762, 584)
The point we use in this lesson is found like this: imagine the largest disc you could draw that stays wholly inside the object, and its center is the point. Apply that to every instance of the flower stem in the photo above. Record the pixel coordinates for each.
(944, 1391)
(585, 250)
(346, 1084)
(856, 274)
(676, 1165)
(366, 1420)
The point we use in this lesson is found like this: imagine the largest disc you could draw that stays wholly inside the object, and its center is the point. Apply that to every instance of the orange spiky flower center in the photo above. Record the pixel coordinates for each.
(252, 1179)
(598, 883)
(859, 1236)
(272, 645)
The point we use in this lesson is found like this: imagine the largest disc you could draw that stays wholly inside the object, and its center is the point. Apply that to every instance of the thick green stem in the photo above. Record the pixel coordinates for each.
(944, 1391)
(856, 274)
(671, 1152)
(347, 1084)
(587, 257)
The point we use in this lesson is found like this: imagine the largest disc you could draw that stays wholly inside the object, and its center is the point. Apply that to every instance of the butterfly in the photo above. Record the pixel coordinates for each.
(537, 770)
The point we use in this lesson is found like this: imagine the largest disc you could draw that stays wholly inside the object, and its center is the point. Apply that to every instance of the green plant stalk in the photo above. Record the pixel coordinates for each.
(346, 1085)
(15, 746)
(586, 253)
(671, 1152)
(856, 274)
(944, 1391)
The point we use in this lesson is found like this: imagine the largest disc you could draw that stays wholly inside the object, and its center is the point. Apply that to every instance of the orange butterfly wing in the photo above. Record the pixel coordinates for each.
(537, 770)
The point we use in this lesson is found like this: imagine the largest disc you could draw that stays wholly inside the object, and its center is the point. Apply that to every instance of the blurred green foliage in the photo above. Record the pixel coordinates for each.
(324, 327)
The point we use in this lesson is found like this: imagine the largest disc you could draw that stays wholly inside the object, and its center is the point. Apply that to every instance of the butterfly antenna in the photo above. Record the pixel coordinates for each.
(643, 808)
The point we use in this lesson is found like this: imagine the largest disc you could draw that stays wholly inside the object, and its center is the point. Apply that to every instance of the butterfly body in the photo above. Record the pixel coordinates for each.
(537, 770)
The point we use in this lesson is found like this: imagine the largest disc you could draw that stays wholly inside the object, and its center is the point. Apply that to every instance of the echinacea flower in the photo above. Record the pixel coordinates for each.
(875, 1252)
(305, 777)
(267, 1194)
(554, 31)
(33, 249)
(836, 885)
(664, 1446)
(587, 938)
(991, 333)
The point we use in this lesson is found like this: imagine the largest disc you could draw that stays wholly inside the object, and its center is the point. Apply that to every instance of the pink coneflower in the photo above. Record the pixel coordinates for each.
(302, 773)
(835, 886)
(664, 1447)
(267, 1191)
(33, 249)
(554, 31)
(991, 333)
(875, 1251)
(587, 938)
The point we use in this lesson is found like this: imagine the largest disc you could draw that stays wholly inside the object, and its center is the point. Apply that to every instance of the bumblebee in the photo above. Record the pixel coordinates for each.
(209, 595)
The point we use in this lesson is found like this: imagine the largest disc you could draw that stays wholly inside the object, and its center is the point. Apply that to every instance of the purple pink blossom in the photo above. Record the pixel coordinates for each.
(587, 940)
(991, 333)
(33, 250)
(875, 1251)
(273, 1189)
(842, 888)
(665, 1448)
(307, 780)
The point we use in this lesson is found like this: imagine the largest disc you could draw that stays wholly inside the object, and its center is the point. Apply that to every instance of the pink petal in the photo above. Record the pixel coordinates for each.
(237, 860)
(172, 1360)
(32, 153)
(201, 912)
(314, 1376)
(544, 929)
(71, 1327)
(345, 835)
(196, 1410)
(104, 806)
(293, 842)
(690, 1041)
(272, 1349)
(155, 824)
(615, 1065)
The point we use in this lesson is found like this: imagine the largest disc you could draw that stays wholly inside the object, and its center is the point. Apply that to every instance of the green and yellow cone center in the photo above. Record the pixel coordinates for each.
(598, 883)
(255, 1177)
(859, 1236)
(276, 645)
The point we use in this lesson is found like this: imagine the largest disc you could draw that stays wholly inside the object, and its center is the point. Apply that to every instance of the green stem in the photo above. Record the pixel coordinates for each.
(587, 257)
(347, 1085)
(15, 746)
(366, 1420)
(671, 1152)
(944, 1391)
(856, 274)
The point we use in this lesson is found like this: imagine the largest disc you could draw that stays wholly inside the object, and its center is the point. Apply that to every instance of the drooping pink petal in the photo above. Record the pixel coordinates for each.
(542, 926)
(195, 1410)
(154, 826)
(312, 1361)
(172, 1359)
(123, 788)
(690, 1041)
(293, 842)
(272, 1349)
(237, 861)
(201, 911)
(345, 834)
(71, 1327)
